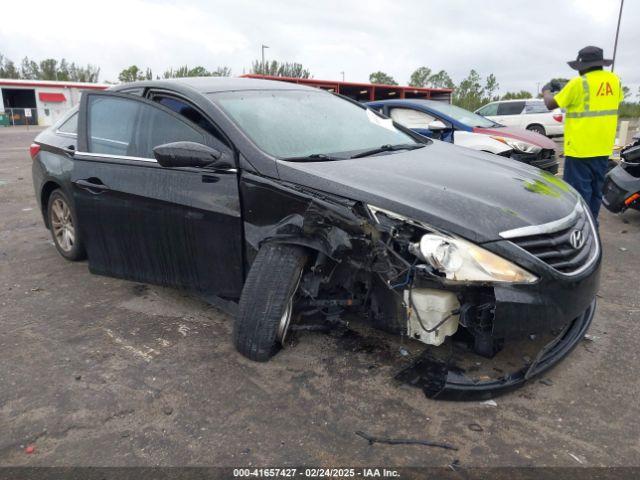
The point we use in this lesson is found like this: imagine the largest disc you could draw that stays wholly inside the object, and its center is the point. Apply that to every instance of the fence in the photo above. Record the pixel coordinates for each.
(30, 116)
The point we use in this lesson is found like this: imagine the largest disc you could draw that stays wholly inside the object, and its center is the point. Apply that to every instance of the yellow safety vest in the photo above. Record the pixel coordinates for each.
(591, 103)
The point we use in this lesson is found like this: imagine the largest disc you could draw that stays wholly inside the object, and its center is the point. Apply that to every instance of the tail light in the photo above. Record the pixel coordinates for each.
(34, 148)
(632, 199)
(557, 117)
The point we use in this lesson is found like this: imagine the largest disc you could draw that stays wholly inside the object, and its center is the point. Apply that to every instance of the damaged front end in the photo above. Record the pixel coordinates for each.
(411, 279)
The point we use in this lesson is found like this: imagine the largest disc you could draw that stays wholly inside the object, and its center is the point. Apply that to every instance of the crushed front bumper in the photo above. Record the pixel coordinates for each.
(440, 380)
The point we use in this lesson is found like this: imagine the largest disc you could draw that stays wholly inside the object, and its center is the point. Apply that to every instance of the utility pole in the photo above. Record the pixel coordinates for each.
(263, 47)
(342, 76)
(615, 45)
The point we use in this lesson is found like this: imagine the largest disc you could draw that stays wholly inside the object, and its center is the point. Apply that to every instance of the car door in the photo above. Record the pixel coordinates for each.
(510, 113)
(141, 221)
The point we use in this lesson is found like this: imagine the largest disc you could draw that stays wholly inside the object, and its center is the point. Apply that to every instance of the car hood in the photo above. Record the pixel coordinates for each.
(475, 195)
(519, 134)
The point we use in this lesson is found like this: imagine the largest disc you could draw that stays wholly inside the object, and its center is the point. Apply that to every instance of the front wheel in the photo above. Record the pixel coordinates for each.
(268, 299)
(537, 128)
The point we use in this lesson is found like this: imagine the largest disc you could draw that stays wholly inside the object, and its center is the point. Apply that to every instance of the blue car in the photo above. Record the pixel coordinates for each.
(453, 124)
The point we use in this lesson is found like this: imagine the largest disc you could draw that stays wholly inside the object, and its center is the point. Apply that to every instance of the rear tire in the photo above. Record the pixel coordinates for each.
(267, 302)
(538, 129)
(63, 223)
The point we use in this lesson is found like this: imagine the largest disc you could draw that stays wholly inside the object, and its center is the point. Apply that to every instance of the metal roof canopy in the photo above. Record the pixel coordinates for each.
(365, 91)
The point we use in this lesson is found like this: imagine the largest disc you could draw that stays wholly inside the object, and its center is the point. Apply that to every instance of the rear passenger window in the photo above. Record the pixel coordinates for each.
(70, 125)
(110, 125)
(536, 107)
(510, 108)
(118, 126)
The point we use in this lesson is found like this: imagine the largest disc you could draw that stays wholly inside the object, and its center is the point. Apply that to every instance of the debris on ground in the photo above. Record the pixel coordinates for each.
(403, 352)
(491, 403)
(576, 458)
(474, 427)
(404, 441)
(30, 449)
(167, 410)
(591, 338)
(622, 249)
(78, 377)
(546, 381)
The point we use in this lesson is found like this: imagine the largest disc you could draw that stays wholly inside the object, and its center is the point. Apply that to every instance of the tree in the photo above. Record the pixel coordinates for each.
(49, 69)
(469, 94)
(88, 74)
(382, 78)
(280, 69)
(198, 71)
(522, 94)
(491, 87)
(29, 69)
(420, 77)
(626, 93)
(441, 80)
(134, 74)
(8, 68)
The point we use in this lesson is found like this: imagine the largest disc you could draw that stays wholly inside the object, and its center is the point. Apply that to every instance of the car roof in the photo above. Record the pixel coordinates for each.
(519, 100)
(217, 84)
(409, 101)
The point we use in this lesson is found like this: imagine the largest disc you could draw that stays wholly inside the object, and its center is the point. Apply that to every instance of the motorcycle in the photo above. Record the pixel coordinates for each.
(621, 188)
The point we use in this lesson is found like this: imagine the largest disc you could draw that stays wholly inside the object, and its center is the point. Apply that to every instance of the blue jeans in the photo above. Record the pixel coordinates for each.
(586, 175)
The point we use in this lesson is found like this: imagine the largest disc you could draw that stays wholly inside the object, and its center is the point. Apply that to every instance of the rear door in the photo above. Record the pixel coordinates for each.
(140, 221)
(510, 113)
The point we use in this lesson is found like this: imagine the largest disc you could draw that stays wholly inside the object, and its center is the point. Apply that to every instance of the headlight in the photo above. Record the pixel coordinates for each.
(519, 145)
(464, 261)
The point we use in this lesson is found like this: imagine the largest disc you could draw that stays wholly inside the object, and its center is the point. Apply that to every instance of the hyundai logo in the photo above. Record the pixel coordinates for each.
(576, 239)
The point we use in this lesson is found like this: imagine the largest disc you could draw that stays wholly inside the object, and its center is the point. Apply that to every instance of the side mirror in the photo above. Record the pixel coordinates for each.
(186, 154)
(436, 125)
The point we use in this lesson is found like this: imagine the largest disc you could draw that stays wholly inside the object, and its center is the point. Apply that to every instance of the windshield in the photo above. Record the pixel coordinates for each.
(463, 116)
(302, 123)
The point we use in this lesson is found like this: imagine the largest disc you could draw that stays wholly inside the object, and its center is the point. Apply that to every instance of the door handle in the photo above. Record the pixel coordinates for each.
(91, 186)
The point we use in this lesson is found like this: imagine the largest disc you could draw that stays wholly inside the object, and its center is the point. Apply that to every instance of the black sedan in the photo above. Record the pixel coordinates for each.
(280, 201)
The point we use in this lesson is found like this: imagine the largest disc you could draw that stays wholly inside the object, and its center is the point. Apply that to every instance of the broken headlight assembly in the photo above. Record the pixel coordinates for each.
(462, 261)
(519, 145)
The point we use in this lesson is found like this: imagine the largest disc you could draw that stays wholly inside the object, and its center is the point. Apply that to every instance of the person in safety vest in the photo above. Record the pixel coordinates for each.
(591, 105)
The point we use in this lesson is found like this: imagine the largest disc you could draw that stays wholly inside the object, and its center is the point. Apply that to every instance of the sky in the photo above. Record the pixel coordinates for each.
(523, 43)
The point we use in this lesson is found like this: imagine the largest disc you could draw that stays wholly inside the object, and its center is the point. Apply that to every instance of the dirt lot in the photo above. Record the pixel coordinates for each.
(98, 371)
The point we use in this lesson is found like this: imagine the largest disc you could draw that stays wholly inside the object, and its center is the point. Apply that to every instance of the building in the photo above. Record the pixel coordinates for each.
(39, 102)
(366, 92)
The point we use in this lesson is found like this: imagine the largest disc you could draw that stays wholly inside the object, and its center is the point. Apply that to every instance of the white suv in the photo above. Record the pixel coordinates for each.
(530, 114)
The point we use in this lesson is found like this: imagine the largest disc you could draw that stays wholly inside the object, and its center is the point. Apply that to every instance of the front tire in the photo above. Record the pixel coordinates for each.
(63, 223)
(538, 129)
(267, 302)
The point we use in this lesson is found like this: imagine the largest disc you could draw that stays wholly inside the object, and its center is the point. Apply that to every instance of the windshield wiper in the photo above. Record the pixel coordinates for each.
(388, 148)
(314, 157)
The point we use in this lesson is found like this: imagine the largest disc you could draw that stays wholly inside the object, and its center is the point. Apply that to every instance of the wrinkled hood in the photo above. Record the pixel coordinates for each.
(519, 134)
(473, 194)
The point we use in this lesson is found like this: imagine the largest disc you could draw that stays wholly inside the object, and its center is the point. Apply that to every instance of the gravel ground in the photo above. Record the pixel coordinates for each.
(99, 371)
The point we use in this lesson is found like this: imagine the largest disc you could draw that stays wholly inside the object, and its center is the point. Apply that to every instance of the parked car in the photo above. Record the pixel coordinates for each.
(459, 126)
(276, 200)
(531, 114)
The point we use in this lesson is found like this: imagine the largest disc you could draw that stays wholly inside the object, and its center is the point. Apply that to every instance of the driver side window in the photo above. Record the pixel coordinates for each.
(411, 118)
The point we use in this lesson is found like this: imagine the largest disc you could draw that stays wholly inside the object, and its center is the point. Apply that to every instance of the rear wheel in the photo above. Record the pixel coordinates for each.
(537, 128)
(63, 224)
(267, 303)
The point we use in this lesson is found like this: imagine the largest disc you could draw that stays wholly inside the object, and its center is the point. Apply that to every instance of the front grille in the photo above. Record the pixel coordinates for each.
(553, 244)
(545, 159)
